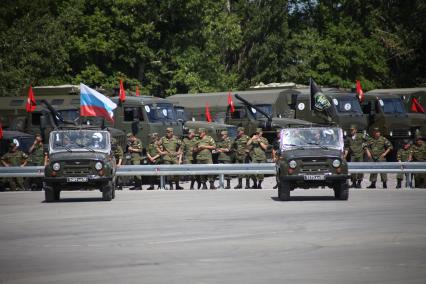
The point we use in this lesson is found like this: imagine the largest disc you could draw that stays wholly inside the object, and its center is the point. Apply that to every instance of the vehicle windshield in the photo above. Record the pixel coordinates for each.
(315, 137)
(160, 112)
(265, 108)
(392, 105)
(80, 140)
(69, 114)
(347, 104)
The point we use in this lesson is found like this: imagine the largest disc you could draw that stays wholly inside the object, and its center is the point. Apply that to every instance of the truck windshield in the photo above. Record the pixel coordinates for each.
(264, 107)
(160, 112)
(79, 140)
(392, 105)
(315, 137)
(348, 104)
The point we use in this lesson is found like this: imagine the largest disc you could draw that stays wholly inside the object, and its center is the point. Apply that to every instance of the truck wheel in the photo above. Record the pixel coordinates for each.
(49, 194)
(57, 194)
(284, 191)
(341, 191)
(107, 192)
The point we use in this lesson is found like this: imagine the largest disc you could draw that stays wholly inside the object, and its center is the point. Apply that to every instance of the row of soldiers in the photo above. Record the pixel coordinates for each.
(37, 156)
(376, 148)
(194, 149)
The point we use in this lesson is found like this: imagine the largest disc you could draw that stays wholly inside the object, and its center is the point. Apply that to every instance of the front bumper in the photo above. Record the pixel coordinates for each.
(62, 182)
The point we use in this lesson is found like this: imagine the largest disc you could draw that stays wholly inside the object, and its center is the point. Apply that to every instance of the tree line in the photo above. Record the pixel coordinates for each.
(173, 46)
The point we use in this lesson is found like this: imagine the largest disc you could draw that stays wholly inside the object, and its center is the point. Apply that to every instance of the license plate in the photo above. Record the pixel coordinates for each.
(314, 177)
(77, 179)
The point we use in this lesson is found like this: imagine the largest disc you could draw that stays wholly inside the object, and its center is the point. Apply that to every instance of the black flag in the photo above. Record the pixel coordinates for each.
(319, 101)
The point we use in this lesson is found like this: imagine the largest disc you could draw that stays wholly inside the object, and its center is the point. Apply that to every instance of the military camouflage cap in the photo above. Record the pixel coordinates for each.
(191, 130)
(113, 141)
(376, 129)
(201, 129)
(154, 134)
(130, 134)
(12, 145)
(406, 141)
(353, 126)
(169, 129)
(240, 128)
(278, 130)
(258, 130)
(224, 132)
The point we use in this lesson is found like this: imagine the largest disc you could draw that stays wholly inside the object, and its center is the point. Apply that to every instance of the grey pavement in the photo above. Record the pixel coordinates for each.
(223, 236)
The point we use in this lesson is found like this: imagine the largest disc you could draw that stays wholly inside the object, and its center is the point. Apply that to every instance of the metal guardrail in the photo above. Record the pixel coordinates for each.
(224, 169)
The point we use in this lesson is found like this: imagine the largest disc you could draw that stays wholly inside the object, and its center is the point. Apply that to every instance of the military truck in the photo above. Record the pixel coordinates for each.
(80, 159)
(312, 157)
(408, 95)
(248, 113)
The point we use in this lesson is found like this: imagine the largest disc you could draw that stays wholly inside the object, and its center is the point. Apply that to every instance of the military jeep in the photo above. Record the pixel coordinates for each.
(312, 157)
(80, 159)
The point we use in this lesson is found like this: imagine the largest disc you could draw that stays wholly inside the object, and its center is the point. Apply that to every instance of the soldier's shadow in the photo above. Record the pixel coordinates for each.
(306, 198)
(77, 199)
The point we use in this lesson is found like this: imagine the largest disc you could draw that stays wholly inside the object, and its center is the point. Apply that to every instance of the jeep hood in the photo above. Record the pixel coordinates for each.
(67, 156)
(311, 153)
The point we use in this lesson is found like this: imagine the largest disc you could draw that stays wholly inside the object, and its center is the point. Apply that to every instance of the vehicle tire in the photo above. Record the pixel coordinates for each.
(113, 191)
(57, 194)
(284, 191)
(49, 194)
(341, 191)
(107, 192)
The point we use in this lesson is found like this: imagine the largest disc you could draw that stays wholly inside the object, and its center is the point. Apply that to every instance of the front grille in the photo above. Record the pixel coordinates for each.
(400, 133)
(77, 168)
(314, 166)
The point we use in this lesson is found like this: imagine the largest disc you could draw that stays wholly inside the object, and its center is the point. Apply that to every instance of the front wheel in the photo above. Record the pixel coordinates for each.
(284, 191)
(108, 192)
(341, 190)
(51, 194)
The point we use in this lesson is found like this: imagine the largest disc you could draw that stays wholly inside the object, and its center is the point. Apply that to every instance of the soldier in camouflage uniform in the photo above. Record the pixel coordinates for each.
(169, 147)
(258, 145)
(276, 150)
(188, 145)
(37, 157)
(418, 154)
(355, 148)
(135, 148)
(241, 155)
(15, 158)
(204, 147)
(377, 149)
(404, 155)
(154, 156)
(118, 154)
(224, 148)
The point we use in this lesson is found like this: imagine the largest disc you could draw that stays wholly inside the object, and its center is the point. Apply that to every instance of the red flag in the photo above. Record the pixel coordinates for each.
(122, 93)
(137, 91)
(359, 91)
(231, 102)
(208, 115)
(416, 106)
(1, 132)
(31, 103)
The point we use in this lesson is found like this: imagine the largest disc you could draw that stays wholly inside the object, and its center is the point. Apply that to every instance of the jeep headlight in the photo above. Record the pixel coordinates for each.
(98, 166)
(336, 163)
(56, 166)
(292, 164)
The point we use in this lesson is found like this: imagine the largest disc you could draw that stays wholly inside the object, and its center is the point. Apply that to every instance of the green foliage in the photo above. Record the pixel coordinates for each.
(173, 46)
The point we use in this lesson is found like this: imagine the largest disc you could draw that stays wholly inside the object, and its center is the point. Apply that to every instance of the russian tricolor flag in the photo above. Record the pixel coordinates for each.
(93, 103)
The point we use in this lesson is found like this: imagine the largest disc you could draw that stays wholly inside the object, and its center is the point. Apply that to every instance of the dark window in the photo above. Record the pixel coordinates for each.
(16, 102)
(57, 102)
(75, 101)
(129, 113)
(35, 118)
(238, 113)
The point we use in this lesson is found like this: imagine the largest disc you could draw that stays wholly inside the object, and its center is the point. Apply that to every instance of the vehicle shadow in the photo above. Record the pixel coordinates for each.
(306, 198)
(82, 199)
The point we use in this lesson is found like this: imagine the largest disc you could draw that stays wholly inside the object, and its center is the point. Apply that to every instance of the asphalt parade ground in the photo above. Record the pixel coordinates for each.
(221, 236)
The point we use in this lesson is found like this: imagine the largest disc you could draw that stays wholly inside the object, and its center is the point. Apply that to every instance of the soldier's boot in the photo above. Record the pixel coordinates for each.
(385, 185)
(178, 186)
(247, 183)
(170, 185)
(240, 184)
(204, 185)
(372, 185)
(228, 184)
(254, 183)
(358, 184)
(259, 184)
(192, 184)
(138, 184)
(353, 185)
(212, 185)
(398, 183)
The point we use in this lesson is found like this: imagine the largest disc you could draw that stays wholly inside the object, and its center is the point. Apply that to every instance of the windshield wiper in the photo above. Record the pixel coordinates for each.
(294, 145)
(85, 147)
(67, 148)
(317, 144)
